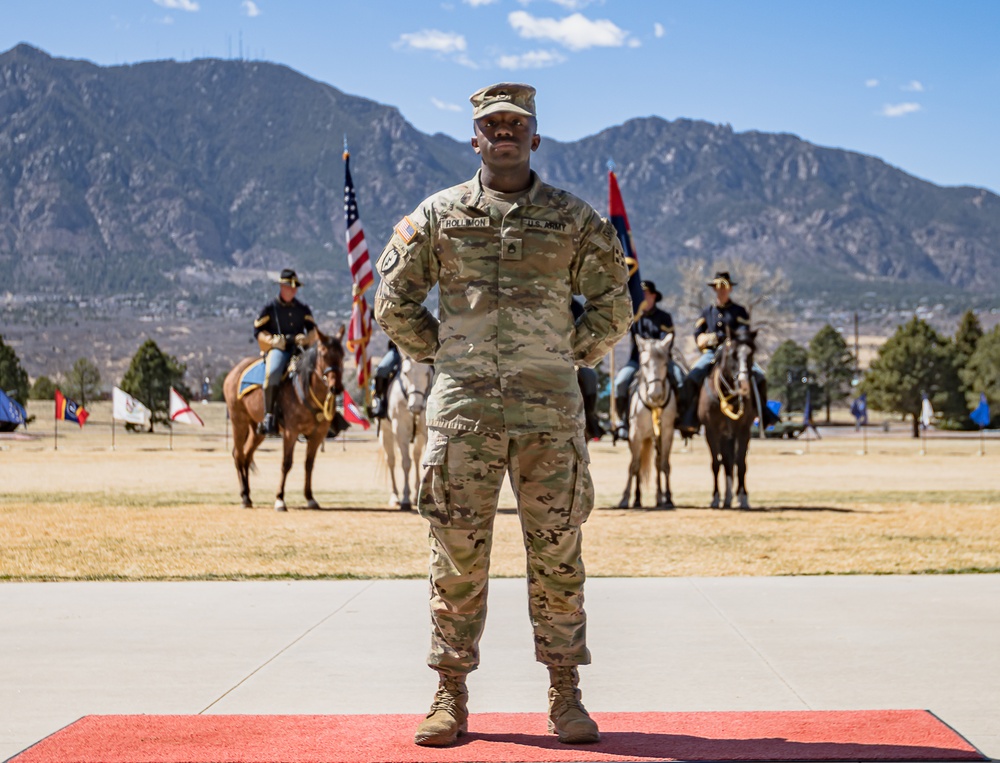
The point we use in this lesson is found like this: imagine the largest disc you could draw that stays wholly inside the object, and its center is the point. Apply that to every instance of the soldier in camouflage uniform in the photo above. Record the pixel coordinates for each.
(508, 252)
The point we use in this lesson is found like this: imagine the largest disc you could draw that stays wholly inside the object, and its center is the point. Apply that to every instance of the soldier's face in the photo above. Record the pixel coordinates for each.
(287, 292)
(722, 294)
(505, 139)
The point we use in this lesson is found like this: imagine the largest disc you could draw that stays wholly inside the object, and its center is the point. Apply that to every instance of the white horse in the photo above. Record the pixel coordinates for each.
(652, 412)
(406, 427)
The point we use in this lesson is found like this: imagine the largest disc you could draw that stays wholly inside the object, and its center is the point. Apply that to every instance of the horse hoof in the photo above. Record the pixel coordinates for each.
(312, 504)
(666, 505)
(715, 503)
(406, 506)
(727, 505)
(279, 505)
(623, 504)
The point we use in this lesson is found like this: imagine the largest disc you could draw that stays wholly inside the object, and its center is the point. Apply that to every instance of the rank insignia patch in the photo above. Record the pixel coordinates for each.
(406, 230)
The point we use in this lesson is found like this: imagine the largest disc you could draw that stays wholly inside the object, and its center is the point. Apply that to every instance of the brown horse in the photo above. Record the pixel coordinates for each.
(727, 408)
(307, 404)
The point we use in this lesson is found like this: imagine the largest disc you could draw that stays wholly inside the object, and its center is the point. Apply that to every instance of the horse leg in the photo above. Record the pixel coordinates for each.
(240, 432)
(716, 463)
(728, 456)
(288, 440)
(389, 448)
(741, 474)
(666, 442)
(312, 446)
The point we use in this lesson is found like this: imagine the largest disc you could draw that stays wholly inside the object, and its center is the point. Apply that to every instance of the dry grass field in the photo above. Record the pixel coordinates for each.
(156, 508)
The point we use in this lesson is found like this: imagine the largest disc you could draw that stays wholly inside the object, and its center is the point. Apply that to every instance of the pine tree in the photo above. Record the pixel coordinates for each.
(832, 364)
(914, 361)
(149, 378)
(785, 372)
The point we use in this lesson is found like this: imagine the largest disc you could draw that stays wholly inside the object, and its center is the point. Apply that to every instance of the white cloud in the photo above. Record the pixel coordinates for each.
(572, 5)
(251, 9)
(477, 3)
(900, 109)
(575, 32)
(658, 29)
(913, 86)
(445, 106)
(535, 59)
(871, 83)
(432, 39)
(179, 5)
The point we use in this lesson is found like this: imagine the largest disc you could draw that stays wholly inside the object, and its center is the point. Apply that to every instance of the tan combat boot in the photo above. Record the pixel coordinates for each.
(567, 716)
(448, 718)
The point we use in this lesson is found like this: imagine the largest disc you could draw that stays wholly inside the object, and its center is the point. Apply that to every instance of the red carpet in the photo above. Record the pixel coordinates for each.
(876, 735)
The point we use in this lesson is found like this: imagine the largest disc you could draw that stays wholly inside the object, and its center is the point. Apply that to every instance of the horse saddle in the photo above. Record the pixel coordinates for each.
(253, 376)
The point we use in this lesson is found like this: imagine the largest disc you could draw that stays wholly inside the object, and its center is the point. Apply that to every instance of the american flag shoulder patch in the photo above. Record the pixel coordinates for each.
(406, 230)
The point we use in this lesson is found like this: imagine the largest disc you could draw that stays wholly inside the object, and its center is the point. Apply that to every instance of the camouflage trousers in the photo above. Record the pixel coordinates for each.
(550, 477)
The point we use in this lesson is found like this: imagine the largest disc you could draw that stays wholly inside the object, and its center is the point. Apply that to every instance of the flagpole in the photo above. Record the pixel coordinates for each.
(864, 439)
(57, 434)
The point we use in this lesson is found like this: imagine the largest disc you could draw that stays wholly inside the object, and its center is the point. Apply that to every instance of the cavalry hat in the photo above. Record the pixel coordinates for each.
(288, 277)
(722, 279)
(651, 288)
(504, 96)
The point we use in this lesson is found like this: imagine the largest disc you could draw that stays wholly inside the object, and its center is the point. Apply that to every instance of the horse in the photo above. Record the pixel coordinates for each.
(652, 412)
(727, 408)
(307, 402)
(407, 427)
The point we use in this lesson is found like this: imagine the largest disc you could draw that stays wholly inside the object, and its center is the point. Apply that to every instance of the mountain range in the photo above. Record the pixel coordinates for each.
(165, 184)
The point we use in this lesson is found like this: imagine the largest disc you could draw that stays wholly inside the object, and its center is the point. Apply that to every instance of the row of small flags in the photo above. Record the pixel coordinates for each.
(126, 408)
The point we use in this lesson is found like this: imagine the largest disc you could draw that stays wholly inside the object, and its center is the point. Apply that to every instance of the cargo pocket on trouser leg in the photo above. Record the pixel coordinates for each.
(434, 495)
(583, 486)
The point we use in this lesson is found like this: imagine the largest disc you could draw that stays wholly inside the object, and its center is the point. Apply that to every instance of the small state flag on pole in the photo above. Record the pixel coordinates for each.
(181, 412)
(981, 415)
(126, 408)
(926, 412)
(352, 413)
(69, 410)
(360, 329)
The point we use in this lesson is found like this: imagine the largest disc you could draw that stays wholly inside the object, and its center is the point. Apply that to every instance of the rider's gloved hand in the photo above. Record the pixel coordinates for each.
(301, 340)
(277, 341)
(707, 341)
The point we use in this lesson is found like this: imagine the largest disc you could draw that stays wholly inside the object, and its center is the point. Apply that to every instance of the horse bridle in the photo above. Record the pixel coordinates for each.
(412, 390)
(731, 387)
(326, 407)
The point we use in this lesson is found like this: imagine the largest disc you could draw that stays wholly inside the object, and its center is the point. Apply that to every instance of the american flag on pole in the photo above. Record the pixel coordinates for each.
(360, 330)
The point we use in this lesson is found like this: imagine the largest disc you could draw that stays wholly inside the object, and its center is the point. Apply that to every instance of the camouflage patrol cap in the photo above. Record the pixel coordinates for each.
(504, 96)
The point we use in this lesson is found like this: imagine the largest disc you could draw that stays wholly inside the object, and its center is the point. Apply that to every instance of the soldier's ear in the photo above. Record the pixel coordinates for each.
(536, 140)
(475, 144)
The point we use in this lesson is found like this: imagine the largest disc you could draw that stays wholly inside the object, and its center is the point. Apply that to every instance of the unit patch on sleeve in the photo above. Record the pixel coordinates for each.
(389, 260)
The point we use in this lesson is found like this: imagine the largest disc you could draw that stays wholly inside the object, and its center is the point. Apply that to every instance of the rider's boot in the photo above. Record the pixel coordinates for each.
(621, 407)
(593, 424)
(269, 426)
(448, 718)
(768, 417)
(687, 419)
(567, 716)
(380, 405)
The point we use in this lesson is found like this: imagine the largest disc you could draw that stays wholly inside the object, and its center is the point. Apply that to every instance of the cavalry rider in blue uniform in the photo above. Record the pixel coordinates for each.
(650, 323)
(716, 323)
(283, 326)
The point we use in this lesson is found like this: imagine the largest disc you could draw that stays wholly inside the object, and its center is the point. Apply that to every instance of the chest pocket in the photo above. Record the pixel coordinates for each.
(463, 242)
(548, 241)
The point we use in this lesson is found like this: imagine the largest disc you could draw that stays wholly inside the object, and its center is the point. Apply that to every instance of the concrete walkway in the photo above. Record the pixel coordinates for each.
(668, 644)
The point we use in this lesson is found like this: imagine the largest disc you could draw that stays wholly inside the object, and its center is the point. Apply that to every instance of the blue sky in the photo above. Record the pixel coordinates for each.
(914, 82)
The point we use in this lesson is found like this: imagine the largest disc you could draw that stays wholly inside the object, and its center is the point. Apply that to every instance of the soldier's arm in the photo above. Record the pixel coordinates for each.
(409, 270)
(600, 275)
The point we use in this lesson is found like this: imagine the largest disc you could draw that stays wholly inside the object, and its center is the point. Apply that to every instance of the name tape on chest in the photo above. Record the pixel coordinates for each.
(464, 222)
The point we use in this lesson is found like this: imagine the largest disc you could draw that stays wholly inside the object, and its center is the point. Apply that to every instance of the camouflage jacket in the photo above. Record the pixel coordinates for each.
(505, 344)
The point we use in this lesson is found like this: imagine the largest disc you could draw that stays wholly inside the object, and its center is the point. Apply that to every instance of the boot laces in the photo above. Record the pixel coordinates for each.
(447, 696)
